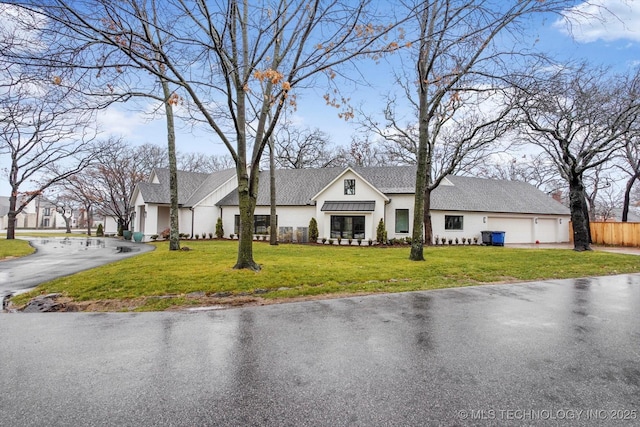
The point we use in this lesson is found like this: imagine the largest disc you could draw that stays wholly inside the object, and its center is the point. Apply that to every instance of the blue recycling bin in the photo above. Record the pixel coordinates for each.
(497, 238)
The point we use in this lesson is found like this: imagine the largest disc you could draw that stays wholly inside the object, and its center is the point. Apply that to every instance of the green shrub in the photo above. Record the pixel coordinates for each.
(313, 230)
(100, 231)
(219, 229)
(380, 232)
(324, 240)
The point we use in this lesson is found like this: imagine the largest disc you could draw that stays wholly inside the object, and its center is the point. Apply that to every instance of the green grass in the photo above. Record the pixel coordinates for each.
(14, 248)
(305, 270)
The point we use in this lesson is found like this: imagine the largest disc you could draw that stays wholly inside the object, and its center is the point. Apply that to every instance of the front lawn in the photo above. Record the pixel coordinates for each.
(203, 275)
(14, 248)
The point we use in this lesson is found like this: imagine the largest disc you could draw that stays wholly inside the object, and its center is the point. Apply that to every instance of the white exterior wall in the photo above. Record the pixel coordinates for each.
(397, 201)
(184, 221)
(472, 225)
(288, 216)
(151, 225)
(518, 228)
(204, 219)
(110, 224)
(363, 192)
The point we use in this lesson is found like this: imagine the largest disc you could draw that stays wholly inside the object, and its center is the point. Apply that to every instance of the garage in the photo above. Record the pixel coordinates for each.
(517, 230)
(546, 231)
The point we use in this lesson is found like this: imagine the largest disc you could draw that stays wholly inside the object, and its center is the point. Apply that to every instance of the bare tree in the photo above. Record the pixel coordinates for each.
(579, 116)
(112, 179)
(200, 162)
(40, 127)
(296, 148)
(595, 180)
(65, 206)
(236, 62)
(456, 59)
(535, 169)
(631, 160)
(361, 152)
(78, 189)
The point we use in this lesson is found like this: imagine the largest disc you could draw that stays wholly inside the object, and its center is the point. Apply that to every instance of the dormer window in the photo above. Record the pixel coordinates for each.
(349, 187)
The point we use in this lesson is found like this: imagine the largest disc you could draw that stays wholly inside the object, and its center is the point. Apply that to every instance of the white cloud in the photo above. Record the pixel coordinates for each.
(606, 20)
(120, 122)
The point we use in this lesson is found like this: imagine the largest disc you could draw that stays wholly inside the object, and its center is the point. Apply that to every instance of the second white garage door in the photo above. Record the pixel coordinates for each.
(517, 230)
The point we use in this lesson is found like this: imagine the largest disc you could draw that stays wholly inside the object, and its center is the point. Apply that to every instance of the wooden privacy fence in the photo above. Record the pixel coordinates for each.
(614, 233)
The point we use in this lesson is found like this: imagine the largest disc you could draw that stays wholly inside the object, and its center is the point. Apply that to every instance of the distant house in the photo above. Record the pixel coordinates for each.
(615, 215)
(349, 202)
(39, 213)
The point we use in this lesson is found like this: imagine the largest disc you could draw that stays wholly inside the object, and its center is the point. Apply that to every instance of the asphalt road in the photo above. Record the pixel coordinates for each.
(61, 256)
(548, 353)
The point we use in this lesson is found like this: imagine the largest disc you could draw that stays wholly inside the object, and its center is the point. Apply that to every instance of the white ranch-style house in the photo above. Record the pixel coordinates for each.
(349, 203)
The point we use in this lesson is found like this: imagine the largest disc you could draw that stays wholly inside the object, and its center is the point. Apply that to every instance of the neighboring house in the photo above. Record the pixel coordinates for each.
(349, 202)
(39, 213)
(616, 216)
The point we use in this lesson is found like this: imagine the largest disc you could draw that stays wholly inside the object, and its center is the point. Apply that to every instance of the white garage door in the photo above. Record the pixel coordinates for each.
(547, 231)
(517, 230)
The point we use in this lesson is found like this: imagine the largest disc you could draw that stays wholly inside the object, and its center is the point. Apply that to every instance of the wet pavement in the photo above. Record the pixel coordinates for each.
(60, 256)
(561, 352)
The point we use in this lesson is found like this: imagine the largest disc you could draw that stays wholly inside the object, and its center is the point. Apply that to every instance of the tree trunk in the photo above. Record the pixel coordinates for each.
(247, 204)
(627, 197)
(88, 211)
(428, 226)
(67, 223)
(273, 219)
(174, 234)
(579, 214)
(423, 172)
(11, 225)
(417, 239)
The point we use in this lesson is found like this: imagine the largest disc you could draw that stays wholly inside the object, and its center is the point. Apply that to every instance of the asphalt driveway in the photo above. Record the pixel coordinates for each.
(61, 256)
(547, 353)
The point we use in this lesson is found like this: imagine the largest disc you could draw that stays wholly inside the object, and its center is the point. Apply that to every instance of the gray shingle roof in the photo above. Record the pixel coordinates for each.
(213, 181)
(296, 187)
(188, 183)
(492, 195)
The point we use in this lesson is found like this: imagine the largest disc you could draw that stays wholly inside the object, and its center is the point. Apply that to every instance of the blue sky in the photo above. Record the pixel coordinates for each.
(610, 40)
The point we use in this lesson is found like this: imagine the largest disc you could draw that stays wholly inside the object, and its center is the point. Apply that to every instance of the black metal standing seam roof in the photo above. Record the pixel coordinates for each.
(359, 206)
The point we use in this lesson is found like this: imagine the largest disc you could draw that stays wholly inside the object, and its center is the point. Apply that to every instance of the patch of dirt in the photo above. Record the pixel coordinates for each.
(69, 305)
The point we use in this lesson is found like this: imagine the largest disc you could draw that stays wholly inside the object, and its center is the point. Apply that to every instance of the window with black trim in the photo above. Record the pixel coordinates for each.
(347, 227)
(260, 224)
(349, 187)
(402, 220)
(453, 222)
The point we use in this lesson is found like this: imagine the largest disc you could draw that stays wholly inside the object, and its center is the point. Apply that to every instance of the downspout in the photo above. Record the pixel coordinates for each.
(384, 217)
(191, 209)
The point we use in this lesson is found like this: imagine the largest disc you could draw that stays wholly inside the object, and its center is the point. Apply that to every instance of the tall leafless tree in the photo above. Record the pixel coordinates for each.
(631, 168)
(236, 62)
(298, 148)
(456, 57)
(40, 127)
(579, 116)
